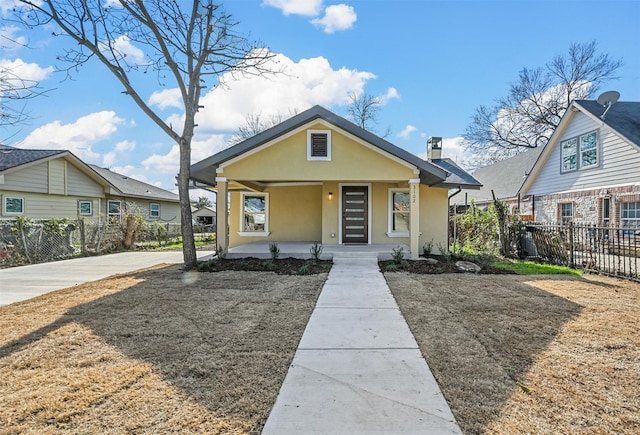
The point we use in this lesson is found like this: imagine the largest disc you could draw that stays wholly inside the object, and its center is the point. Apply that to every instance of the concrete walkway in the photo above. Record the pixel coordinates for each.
(358, 368)
(25, 282)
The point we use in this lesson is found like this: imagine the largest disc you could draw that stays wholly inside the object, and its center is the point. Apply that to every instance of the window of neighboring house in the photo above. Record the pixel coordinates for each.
(606, 211)
(569, 155)
(319, 145)
(566, 212)
(399, 212)
(114, 211)
(579, 152)
(589, 150)
(630, 214)
(154, 210)
(13, 205)
(85, 208)
(255, 218)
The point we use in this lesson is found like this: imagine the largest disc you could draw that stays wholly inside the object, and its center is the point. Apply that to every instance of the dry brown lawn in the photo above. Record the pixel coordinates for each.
(153, 351)
(529, 354)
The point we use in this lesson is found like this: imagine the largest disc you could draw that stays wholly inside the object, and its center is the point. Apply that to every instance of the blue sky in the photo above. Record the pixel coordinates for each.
(433, 62)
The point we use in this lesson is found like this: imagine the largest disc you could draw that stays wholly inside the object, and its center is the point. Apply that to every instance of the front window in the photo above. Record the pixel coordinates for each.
(255, 213)
(154, 210)
(399, 212)
(579, 152)
(85, 208)
(13, 205)
(630, 215)
(566, 213)
(114, 211)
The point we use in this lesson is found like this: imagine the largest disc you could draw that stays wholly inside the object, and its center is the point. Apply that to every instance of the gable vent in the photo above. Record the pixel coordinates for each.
(319, 145)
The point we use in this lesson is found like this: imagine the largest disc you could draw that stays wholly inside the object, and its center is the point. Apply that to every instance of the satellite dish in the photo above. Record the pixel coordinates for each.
(608, 98)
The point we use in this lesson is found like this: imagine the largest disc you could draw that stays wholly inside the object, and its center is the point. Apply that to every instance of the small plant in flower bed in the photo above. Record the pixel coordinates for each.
(282, 266)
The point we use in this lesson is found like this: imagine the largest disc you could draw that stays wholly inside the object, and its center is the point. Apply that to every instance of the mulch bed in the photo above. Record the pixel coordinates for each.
(444, 265)
(281, 266)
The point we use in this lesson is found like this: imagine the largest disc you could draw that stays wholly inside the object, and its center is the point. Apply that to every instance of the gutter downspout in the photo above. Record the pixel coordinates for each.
(458, 190)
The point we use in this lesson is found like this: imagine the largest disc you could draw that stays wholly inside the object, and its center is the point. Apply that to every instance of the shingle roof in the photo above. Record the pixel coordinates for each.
(505, 177)
(623, 117)
(456, 176)
(11, 157)
(430, 173)
(131, 187)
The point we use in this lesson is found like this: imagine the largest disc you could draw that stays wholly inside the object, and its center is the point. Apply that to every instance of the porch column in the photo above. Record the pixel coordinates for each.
(414, 218)
(222, 214)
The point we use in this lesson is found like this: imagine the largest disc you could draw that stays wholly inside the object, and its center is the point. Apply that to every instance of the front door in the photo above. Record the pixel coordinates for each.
(355, 216)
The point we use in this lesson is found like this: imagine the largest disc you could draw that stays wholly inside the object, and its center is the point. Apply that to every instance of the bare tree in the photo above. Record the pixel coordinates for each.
(364, 110)
(186, 46)
(255, 123)
(14, 93)
(536, 103)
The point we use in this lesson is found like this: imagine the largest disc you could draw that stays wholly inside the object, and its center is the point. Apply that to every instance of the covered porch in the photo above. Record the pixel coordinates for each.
(383, 251)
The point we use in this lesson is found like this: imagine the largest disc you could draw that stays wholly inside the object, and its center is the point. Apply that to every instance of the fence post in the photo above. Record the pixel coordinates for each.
(83, 241)
(571, 244)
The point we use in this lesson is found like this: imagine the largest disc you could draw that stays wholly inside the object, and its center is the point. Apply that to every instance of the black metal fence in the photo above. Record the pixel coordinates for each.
(606, 250)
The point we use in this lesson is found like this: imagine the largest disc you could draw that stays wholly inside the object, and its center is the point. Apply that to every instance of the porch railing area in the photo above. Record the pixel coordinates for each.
(600, 249)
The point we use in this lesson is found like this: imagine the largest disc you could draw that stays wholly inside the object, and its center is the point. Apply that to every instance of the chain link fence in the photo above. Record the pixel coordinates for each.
(26, 241)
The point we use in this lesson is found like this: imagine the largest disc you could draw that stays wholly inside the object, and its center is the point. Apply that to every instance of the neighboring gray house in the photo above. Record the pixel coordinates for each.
(589, 171)
(46, 184)
(205, 216)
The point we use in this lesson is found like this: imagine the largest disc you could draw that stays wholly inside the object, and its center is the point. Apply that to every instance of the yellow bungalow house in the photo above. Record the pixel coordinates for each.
(317, 177)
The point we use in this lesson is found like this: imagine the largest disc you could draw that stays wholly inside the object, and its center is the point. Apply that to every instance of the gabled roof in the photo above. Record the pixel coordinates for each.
(430, 173)
(11, 157)
(131, 187)
(505, 177)
(623, 117)
(456, 176)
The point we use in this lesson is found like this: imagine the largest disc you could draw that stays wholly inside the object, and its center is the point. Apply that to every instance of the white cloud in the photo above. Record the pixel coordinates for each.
(309, 8)
(122, 149)
(453, 148)
(304, 84)
(392, 94)
(77, 137)
(24, 71)
(123, 45)
(336, 17)
(9, 38)
(406, 132)
(166, 98)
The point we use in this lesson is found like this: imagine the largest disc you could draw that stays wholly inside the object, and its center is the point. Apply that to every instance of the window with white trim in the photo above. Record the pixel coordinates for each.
(318, 144)
(114, 211)
(579, 152)
(566, 212)
(630, 214)
(255, 214)
(154, 210)
(85, 208)
(13, 205)
(399, 213)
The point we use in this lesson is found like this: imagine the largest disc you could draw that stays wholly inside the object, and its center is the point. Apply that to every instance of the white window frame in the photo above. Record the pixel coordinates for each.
(5, 198)
(579, 152)
(624, 209)
(151, 215)
(565, 220)
(310, 155)
(111, 216)
(263, 233)
(85, 201)
(390, 231)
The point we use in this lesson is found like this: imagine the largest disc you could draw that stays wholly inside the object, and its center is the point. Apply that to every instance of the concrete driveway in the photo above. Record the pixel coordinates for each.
(25, 282)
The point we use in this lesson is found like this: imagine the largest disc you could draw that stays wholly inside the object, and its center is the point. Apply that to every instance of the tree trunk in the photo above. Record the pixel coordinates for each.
(188, 242)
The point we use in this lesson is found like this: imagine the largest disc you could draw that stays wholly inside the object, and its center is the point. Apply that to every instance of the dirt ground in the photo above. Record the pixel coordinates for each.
(160, 351)
(529, 354)
(155, 351)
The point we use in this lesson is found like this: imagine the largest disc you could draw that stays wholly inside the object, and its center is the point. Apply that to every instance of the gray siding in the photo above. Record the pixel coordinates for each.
(618, 162)
(79, 184)
(44, 206)
(57, 176)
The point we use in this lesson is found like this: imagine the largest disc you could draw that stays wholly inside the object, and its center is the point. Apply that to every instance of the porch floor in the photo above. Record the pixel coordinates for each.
(383, 251)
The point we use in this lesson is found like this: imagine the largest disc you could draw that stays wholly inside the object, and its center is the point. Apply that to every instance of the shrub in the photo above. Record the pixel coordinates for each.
(316, 251)
(397, 255)
(427, 248)
(274, 250)
(305, 269)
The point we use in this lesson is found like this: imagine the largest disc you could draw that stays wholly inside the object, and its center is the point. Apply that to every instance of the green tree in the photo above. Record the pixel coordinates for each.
(202, 202)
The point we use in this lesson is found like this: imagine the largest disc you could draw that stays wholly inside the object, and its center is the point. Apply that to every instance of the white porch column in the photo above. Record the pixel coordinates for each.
(222, 214)
(414, 219)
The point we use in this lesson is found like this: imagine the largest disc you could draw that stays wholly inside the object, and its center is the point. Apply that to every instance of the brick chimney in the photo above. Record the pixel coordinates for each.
(434, 148)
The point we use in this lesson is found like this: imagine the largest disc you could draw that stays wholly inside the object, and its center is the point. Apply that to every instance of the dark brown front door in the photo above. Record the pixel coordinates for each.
(355, 217)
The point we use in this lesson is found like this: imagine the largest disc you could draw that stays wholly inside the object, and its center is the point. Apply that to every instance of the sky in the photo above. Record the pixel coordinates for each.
(432, 62)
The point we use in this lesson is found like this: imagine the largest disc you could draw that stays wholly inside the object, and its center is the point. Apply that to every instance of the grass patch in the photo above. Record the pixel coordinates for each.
(532, 268)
